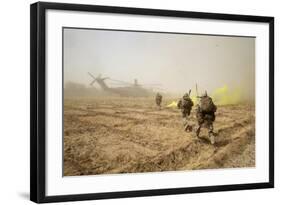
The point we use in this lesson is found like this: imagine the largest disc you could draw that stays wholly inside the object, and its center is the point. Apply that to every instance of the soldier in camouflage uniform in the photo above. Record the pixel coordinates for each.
(205, 114)
(158, 100)
(185, 104)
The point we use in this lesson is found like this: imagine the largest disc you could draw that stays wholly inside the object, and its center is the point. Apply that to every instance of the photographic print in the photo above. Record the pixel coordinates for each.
(138, 101)
(133, 102)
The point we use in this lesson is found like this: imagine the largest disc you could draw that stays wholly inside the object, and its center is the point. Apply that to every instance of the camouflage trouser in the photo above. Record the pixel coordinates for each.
(206, 120)
(185, 114)
(158, 102)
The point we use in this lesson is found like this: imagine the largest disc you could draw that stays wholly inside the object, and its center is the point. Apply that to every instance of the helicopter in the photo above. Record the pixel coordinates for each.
(124, 89)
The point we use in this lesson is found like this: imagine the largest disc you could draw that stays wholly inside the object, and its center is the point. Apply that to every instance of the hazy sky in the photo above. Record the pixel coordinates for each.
(177, 61)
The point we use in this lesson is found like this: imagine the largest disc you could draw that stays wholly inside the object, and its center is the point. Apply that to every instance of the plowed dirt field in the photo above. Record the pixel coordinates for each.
(125, 135)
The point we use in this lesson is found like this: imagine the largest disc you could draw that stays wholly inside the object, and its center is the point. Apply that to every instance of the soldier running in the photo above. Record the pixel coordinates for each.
(158, 100)
(205, 114)
(185, 104)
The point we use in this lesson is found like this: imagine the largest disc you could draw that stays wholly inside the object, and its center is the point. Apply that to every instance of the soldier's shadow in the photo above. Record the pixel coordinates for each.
(204, 139)
(219, 140)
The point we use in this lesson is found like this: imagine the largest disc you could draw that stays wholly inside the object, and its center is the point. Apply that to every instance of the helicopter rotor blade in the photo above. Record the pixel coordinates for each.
(91, 75)
(120, 82)
(93, 82)
(153, 84)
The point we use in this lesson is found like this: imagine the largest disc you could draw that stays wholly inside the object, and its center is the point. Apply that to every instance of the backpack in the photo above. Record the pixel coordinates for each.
(207, 105)
(187, 103)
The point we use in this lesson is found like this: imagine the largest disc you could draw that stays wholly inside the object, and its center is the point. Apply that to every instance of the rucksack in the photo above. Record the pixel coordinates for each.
(207, 105)
(187, 103)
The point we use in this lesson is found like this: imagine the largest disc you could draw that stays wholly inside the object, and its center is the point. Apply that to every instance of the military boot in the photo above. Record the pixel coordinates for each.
(188, 128)
(198, 131)
(212, 138)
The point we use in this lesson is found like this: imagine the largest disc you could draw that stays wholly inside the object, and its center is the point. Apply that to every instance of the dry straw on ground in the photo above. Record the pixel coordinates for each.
(129, 135)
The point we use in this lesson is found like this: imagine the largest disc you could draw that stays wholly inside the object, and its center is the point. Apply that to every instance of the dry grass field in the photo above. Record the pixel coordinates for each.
(127, 135)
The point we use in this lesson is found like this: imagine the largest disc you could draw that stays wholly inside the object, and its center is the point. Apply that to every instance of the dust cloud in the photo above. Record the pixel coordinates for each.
(224, 66)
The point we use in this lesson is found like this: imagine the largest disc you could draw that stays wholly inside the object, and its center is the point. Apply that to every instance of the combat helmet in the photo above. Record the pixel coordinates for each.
(186, 95)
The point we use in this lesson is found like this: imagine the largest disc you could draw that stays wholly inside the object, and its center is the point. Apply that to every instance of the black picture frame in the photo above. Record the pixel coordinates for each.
(38, 101)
